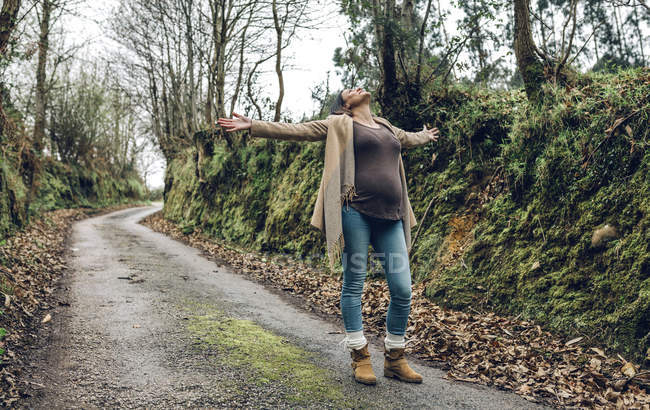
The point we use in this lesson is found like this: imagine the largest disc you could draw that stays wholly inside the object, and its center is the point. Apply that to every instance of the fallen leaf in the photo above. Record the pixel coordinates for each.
(574, 341)
(628, 369)
(598, 351)
(595, 363)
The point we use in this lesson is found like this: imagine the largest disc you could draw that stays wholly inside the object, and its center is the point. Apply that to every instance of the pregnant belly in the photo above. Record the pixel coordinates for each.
(378, 184)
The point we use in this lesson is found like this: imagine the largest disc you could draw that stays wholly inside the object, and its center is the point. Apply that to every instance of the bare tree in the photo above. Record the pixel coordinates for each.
(47, 16)
(287, 16)
(279, 30)
(43, 48)
(189, 59)
(242, 52)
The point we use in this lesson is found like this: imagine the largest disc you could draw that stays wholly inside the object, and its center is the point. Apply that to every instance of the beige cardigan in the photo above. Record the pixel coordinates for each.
(337, 181)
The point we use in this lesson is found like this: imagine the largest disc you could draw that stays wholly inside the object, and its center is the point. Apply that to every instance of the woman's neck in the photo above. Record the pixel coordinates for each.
(362, 114)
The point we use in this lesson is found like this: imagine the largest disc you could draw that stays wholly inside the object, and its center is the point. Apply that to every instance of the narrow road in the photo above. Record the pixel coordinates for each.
(146, 321)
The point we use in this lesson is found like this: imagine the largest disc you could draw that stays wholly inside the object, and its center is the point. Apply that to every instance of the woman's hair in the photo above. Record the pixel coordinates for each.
(337, 106)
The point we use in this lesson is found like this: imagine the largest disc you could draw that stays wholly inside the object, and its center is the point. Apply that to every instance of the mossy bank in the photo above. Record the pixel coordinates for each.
(518, 200)
(30, 185)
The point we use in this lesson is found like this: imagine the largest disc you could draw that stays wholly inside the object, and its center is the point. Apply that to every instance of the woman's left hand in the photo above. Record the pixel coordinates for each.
(432, 132)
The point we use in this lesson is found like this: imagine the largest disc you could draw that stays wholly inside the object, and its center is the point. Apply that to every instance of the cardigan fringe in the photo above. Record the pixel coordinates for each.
(336, 251)
(339, 244)
(348, 193)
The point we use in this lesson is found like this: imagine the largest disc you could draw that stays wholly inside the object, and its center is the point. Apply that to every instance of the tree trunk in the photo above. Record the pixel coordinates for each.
(188, 5)
(240, 72)
(530, 66)
(220, 41)
(387, 58)
(407, 17)
(221, 81)
(423, 26)
(640, 34)
(249, 89)
(278, 62)
(41, 92)
(212, 68)
(7, 22)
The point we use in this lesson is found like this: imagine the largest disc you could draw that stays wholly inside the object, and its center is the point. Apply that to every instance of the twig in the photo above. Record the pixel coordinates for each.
(586, 41)
(444, 59)
(422, 222)
(542, 228)
(494, 174)
(401, 63)
(475, 310)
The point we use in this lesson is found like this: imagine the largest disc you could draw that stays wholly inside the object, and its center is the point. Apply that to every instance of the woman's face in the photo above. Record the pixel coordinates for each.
(353, 97)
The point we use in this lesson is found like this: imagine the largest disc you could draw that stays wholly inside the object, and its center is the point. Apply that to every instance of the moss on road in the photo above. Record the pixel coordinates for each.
(265, 356)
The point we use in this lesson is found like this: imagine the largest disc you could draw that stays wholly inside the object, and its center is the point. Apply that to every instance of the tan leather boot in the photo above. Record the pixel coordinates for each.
(395, 366)
(361, 365)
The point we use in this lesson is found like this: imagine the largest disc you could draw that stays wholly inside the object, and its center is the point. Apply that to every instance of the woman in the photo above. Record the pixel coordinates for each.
(362, 200)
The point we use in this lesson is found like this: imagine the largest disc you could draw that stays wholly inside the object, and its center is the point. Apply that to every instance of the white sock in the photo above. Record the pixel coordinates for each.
(392, 341)
(355, 340)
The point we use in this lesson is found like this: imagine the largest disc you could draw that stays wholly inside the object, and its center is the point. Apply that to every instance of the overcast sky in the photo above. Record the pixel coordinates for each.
(310, 53)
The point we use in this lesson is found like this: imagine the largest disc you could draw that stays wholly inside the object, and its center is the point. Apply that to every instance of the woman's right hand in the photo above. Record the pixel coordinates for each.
(236, 124)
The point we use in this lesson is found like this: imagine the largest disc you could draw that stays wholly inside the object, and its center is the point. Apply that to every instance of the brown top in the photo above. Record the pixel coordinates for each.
(376, 172)
(337, 181)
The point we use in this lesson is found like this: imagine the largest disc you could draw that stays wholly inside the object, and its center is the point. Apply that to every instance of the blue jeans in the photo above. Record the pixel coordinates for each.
(387, 239)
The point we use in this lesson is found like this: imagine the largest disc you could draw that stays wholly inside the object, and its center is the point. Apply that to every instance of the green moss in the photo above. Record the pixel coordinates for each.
(266, 357)
(66, 186)
(560, 190)
(5, 287)
(244, 202)
(3, 333)
(13, 199)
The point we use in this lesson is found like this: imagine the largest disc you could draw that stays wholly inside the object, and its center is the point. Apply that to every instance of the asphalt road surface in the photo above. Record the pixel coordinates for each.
(146, 321)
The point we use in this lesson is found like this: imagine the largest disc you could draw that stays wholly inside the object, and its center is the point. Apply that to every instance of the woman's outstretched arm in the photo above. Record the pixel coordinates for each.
(414, 139)
(305, 131)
